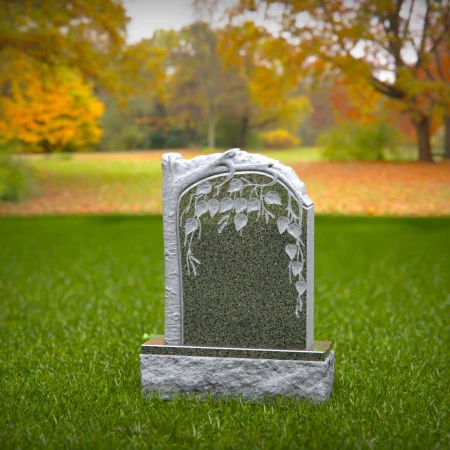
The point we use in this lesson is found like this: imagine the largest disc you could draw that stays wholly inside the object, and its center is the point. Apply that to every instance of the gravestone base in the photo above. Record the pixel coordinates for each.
(172, 370)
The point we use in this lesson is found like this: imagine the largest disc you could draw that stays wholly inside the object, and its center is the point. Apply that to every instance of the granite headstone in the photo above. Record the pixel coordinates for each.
(239, 254)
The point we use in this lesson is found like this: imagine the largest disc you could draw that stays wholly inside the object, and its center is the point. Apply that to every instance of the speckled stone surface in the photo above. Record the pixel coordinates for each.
(250, 379)
(318, 353)
(242, 292)
(238, 251)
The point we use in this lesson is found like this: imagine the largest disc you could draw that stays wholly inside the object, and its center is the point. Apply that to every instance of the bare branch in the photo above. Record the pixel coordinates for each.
(446, 29)
(408, 20)
(424, 34)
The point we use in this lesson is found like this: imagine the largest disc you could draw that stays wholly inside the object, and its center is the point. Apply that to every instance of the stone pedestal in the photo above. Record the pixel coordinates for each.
(252, 374)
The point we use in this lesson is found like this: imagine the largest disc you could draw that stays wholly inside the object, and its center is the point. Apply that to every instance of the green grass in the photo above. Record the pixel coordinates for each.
(103, 180)
(107, 170)
(77, 295)
(295, 155)
(116, 181)
(65, 165)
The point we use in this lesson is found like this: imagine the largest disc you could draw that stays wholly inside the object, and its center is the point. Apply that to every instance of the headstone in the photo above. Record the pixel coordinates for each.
(239, 254)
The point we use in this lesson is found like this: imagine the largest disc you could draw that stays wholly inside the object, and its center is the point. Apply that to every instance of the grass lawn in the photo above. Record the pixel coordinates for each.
(130, 183)
(78, 293)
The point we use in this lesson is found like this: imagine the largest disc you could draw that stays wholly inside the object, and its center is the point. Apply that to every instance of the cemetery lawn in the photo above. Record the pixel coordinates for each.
(130, 183)
(78, 293)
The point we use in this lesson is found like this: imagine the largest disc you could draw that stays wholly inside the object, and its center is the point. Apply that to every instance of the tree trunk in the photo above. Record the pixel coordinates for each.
(186, 134)
(423, 138)
(447, 137)
(244, 130)
(194, 136)
(211, 127)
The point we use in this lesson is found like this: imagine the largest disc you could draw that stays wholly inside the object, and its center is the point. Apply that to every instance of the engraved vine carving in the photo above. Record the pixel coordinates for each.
(240, 202)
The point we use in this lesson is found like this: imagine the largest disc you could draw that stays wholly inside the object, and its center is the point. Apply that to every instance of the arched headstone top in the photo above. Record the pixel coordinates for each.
(190, 171)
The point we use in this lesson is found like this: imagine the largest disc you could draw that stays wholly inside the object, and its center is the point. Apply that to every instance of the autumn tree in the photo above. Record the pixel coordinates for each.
(435, 75)
(50, 54)
(49, 110)
(81, 34)
(206, 10)
(265, 91)
(386, 43)
(194, 81)
(189, 80)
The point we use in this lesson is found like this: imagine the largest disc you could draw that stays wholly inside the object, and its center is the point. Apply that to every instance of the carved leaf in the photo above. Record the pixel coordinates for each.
(240, 204)
(272, 198)
(282, 223)
(204, 188)
(190, 226)
(291, 250)
(201, 208)
(240, 220)
(213, 205)
(235, 185)
(226, 204)
(253, 205)
(225, 217)
(300, 286)
(223, 223)
(294, 230)
(297, 268)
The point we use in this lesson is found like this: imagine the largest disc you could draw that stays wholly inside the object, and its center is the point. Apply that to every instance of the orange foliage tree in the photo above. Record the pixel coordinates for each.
(352, 100)
(50, 111)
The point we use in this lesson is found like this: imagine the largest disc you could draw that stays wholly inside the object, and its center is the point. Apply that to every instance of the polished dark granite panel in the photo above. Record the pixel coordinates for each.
(155, 346)
(236, 289)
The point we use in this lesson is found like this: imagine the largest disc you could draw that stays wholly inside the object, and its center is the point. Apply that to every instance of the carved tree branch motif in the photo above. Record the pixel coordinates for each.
(242, 198)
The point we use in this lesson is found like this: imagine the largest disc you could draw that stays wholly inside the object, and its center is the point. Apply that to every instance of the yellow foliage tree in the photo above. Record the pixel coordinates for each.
(263, 63)
(87, 35)
(280, 139)
(48, 112)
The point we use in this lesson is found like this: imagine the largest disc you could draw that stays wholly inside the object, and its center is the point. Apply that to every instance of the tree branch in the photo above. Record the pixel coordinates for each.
(408, 20)
(424, 33)
(387, 89)
(264, 122)
(437, 41)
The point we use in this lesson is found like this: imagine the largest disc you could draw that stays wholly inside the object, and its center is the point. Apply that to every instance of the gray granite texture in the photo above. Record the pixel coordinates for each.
(239, 239)
(251, 379)
(238, 288)
(320, 352)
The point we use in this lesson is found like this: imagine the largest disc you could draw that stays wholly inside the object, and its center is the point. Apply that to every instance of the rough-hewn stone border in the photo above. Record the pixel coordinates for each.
(250, 379)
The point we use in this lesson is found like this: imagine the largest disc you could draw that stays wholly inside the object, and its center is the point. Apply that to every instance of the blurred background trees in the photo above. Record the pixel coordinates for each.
(51, 56)
(360, 78)
(396, 47)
